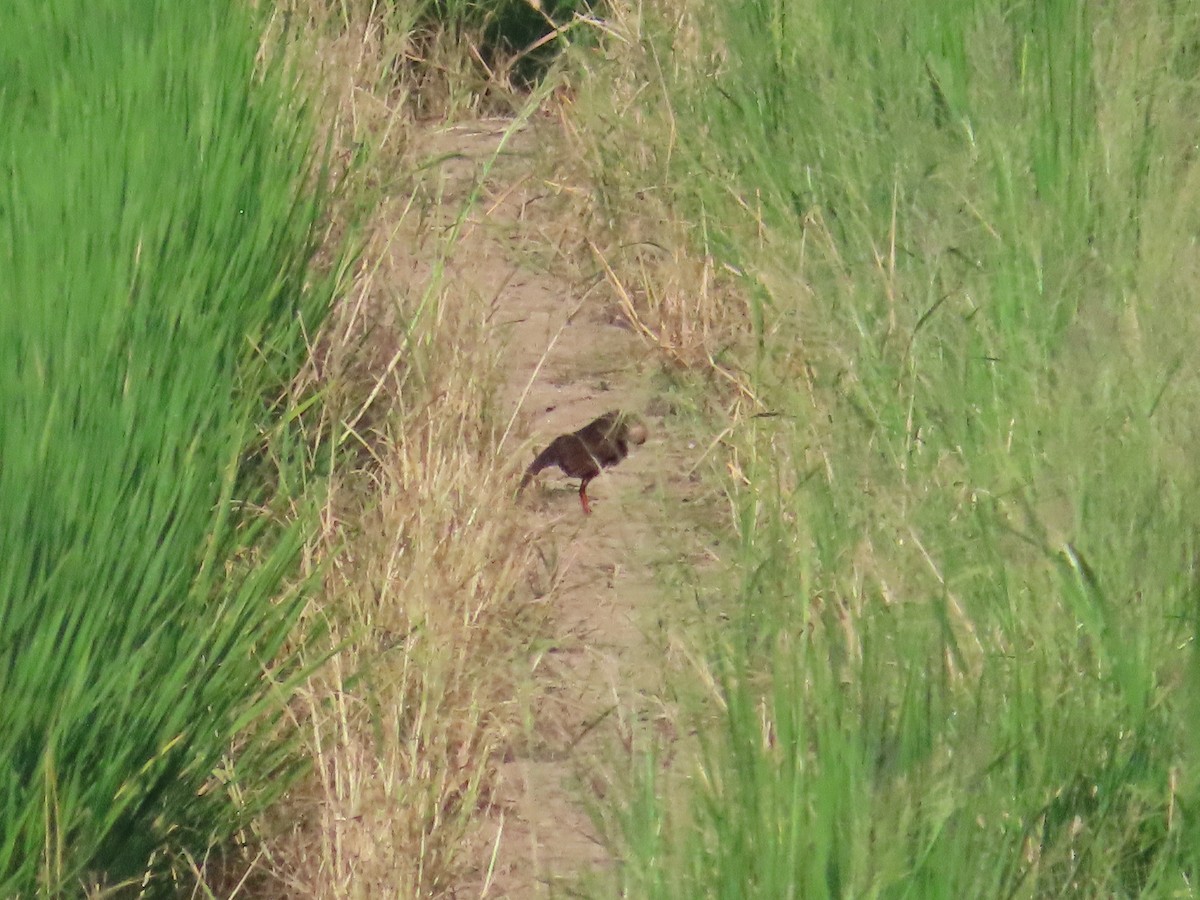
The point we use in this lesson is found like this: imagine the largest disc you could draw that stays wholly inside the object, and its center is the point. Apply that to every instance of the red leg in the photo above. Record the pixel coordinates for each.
(583, 497)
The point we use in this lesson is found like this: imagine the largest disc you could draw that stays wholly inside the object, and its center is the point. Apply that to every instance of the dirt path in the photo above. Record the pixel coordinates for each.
(568, 359)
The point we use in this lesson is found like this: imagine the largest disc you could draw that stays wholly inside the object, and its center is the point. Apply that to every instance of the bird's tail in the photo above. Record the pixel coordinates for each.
(543, 460)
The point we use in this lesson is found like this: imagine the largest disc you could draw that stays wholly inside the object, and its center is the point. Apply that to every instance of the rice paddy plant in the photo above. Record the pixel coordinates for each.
(158, 222)
(964, 604)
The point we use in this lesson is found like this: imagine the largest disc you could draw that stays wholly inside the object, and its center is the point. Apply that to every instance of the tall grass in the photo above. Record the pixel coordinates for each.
(961, 660)
(423, 552)
(155, 237)
(441, 58)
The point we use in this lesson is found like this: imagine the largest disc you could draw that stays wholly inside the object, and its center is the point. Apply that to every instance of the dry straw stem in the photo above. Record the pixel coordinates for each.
(614, 163)
(691, 344)
(421, 549)
(424, 558)
(403, 758)
(424, 561)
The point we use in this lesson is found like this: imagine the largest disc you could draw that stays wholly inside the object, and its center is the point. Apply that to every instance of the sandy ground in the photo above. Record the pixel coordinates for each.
(568, 359)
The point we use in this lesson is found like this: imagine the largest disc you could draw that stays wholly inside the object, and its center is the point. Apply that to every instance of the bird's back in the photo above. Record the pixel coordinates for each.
(605, 439)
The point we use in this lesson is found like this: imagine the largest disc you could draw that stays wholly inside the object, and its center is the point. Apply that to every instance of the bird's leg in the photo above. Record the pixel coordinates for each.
(583, 497)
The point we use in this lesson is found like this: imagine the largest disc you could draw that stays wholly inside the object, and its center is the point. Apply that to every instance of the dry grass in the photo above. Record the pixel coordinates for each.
(424, 558)
(422, 551)
(613, 165)
(421, 596)
(381, 57)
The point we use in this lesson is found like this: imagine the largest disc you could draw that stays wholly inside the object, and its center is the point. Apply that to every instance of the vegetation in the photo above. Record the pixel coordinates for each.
(422, 550)
(937, 273)
(159, 220)
(961, 655)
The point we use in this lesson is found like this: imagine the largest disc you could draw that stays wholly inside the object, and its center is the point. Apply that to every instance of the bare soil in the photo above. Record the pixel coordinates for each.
(569, 357)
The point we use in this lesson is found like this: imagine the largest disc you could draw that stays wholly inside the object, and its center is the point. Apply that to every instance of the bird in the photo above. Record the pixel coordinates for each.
(585, 453)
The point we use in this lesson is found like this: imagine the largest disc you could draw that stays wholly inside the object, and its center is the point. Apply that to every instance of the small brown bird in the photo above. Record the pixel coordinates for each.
(583, 454)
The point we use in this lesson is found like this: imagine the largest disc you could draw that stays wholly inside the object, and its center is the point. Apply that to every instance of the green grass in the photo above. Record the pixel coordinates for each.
(960, 660)
(158, 222)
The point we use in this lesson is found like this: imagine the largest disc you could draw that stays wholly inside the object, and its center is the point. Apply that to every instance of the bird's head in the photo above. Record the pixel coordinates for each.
(635, 430)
